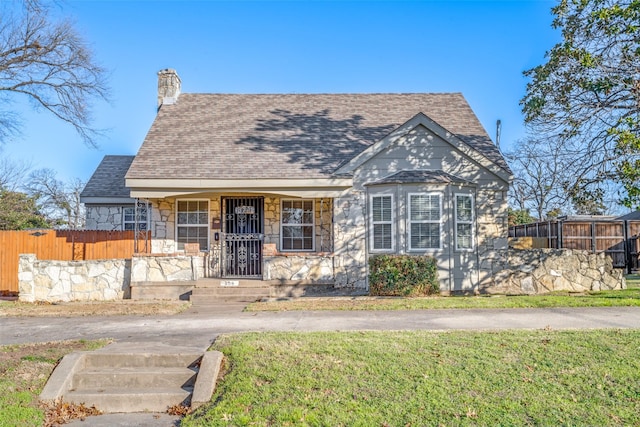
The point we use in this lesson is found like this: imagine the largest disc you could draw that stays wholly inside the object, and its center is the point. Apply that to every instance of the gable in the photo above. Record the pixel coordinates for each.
(421, 144)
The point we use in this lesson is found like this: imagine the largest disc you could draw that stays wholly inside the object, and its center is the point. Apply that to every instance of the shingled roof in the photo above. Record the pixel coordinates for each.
(108, 179)
(236, 136)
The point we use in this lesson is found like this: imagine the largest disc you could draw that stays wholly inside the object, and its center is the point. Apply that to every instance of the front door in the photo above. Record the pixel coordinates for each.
(242, 236)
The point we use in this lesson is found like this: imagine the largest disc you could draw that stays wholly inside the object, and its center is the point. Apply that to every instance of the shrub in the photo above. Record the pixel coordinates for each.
(403, 275)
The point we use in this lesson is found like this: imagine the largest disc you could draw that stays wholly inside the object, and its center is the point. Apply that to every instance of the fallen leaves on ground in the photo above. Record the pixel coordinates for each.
(59, 412)
(178, 409)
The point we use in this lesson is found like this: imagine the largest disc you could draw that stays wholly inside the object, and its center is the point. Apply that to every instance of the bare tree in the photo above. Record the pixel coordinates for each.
(58, 201)
(48, 62)
(13, 174)
(539, 178)
(554, 176)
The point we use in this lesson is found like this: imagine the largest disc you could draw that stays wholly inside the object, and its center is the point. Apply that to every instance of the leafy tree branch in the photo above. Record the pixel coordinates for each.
(587, 94)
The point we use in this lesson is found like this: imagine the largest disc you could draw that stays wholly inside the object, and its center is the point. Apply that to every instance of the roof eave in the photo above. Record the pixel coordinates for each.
(109, 200)
(162, 188)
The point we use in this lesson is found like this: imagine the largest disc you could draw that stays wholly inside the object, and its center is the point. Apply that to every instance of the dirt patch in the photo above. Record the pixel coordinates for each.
(24, 370)
(91, 308)
(30, 357)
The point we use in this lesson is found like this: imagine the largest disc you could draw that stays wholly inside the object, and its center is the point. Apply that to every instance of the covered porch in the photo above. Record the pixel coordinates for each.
(272, 230)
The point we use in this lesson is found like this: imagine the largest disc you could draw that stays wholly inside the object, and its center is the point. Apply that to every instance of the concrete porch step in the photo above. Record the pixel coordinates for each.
(230, 291)
(134, 378)
(179, 290)
(112, 400)
(225, 295)
(211, 291)
(141, 360)
(232, 283)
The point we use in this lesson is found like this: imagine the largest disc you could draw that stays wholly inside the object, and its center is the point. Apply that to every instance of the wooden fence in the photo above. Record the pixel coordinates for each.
(617, 239)
(64, 245)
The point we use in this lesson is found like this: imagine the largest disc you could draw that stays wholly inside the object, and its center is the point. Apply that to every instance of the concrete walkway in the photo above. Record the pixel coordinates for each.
(199, 327)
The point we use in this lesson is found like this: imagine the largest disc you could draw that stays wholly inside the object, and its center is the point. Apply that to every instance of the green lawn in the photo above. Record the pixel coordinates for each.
(619, 298)
(427, 378)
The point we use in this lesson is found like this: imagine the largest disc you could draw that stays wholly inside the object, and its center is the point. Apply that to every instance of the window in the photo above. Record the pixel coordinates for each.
(464, 222)
(129, 218)
(192, 223)
(425, 212)
(297, 225)
(381, 223)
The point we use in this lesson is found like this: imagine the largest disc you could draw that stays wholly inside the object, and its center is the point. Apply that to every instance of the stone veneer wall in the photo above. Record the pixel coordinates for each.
(100, 280)
(312, 268)
(163, 223)
(272, 205)
(163, 226)
(532, 271)
(53, 281)
(167, 268)
(104, 218)
(539, 271)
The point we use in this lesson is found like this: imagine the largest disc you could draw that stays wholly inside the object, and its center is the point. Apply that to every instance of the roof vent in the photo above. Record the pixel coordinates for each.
(168, 87)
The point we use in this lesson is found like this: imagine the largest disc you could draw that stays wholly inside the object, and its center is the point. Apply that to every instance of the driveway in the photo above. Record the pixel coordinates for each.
(201, 325)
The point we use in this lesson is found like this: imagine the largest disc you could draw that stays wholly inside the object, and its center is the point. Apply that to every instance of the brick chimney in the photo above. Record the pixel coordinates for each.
(168, 87)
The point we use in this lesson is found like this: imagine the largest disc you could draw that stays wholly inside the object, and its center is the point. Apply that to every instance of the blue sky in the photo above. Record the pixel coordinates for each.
(479, 48)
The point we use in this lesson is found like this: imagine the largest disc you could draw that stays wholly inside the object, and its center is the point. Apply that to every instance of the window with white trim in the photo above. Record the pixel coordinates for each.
(381, 223)
(129, 218)
(464, 222)
(192, 223)
(297, 225)
(425, 214)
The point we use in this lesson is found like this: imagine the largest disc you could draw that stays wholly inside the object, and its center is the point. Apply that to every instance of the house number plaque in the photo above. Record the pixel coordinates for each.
(244, 210)
(229, 283)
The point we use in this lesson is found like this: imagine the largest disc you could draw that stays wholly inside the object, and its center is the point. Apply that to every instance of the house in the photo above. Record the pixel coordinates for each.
(106, 197)
(307, 187)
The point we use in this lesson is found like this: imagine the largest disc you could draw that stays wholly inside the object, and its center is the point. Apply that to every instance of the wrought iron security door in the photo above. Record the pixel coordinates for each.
(242, 237)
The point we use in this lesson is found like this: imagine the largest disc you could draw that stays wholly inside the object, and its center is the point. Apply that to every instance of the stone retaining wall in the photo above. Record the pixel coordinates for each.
(534, 271)
(100, 280)
(312, 268)
(54, 281)
(166, 268)
(540, 271)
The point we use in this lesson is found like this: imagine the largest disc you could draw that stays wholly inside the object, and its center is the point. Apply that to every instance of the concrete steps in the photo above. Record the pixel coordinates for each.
(132, 377)
(175, 358)
(204, 296)
(211, 291)
(112, 400)
(161, 290)
(135, 382)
